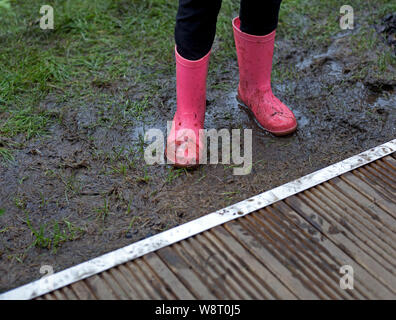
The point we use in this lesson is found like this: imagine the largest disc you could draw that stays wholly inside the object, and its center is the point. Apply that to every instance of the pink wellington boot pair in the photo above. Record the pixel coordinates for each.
(185, 143)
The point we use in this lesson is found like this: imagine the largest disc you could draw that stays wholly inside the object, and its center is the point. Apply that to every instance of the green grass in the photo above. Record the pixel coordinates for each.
(316, 21)
(93, 42)
(52, 235)
(174, 173)
(6, 155)
(145, 178)
(131, 223)
(103, 211)
(5, 4)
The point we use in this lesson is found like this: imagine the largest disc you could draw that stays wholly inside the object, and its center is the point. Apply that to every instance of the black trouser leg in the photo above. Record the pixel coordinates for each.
(196, 27)
(196, 23)
(259, 17)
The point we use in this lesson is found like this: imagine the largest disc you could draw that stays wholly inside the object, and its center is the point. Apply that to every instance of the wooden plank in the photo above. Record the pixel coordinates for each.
(82, 291)
(351, 223)
(179, 290)
(117, 274)
(147, 285)
(253, 271)
(365, 186)
(302, 253)
(384, 171)
(132, 281)
(344, 246)
(154, 281)
(389, 162)
(367, 208)
(225, 270)
(100, 288)
(68, 293)
(114, 285)
(185, 273)
(384, 181)
(201, 261)
(259, 247)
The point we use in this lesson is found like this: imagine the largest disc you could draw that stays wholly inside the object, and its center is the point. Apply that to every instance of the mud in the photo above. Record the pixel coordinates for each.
(75, 173)
(387, 27)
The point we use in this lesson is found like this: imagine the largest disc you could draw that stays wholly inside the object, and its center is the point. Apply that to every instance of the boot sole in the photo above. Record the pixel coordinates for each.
(251, 114)
(186, 166)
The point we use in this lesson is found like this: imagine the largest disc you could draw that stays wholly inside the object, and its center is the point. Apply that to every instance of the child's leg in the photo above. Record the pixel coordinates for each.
(194, 34)
(259, 17)
(254, 33)
(196, 27)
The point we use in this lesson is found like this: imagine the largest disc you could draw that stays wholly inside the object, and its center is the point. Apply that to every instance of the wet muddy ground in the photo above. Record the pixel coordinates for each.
(84, 189)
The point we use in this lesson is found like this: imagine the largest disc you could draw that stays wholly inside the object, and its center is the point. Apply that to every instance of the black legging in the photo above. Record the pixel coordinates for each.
(196, 23)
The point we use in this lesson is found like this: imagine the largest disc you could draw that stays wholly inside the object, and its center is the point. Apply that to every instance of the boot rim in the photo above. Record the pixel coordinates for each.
(192, 64)
(236, 22)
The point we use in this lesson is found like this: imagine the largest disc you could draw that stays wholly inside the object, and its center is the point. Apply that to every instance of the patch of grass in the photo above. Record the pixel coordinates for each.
(386, 59)
(40, 240)
(71, 183)
(229, 195)
(282, 72)
(97, 41)
(174, 173)
(26, 122)
(377, 58)
(61, 235)
(315, 23)
(145, 178)
(131, 223)
(103, 211)
(117, 154)
(52, 238)
(19, 202)
(129, 207)
(6, 154)
(137, 109)
(5, 4)
(120, 169)
(385, 7)
(141, 145)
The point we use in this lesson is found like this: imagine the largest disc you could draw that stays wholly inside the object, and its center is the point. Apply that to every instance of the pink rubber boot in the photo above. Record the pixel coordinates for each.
(254, 90)
(184, 143)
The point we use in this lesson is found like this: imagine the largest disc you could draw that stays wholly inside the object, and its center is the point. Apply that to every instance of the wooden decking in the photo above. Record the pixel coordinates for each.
(291, 249)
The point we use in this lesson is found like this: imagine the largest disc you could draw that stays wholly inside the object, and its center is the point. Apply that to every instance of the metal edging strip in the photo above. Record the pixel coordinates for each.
(186, 230)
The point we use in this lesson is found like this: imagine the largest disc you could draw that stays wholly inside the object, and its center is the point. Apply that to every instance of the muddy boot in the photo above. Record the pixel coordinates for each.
(184, 142)
(254, 90)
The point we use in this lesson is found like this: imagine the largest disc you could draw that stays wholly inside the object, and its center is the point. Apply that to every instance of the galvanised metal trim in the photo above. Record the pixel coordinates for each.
(166, 238)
